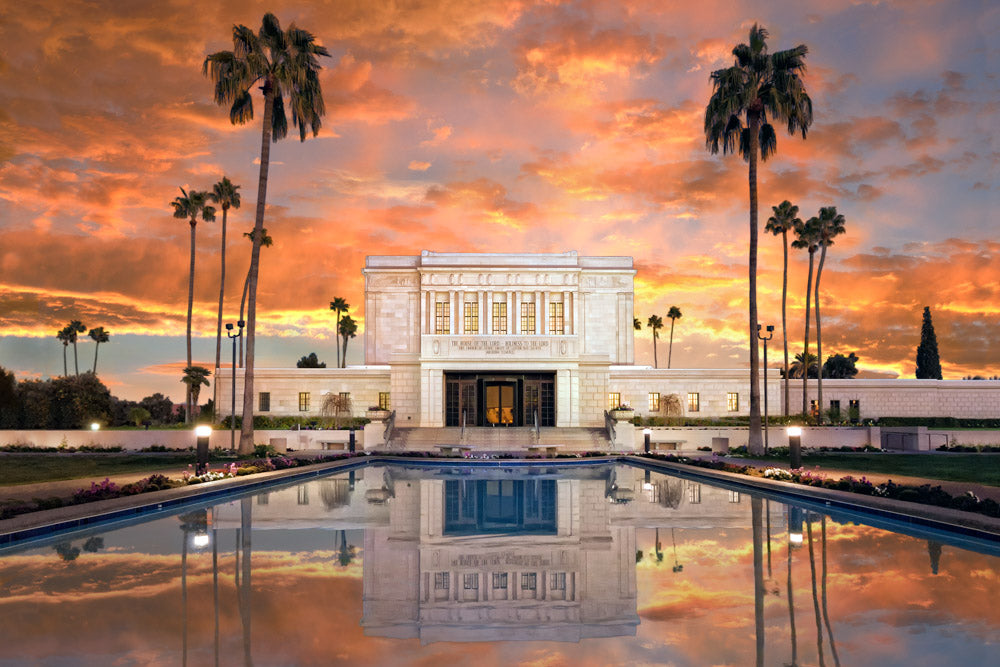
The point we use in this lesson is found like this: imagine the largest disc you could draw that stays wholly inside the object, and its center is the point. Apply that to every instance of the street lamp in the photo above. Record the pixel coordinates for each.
(232, 412)
(795, 446)
(203, 433)
(770, 332)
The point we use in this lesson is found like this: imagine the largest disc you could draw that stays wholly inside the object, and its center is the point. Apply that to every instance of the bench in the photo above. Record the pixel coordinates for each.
(549, 450)
(666, 444)
(332, 444)
(454, 449)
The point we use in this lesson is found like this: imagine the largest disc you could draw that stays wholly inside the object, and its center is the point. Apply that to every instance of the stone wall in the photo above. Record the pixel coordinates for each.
(712, 386)
(363, 383)
(134, 440)
(970, 399)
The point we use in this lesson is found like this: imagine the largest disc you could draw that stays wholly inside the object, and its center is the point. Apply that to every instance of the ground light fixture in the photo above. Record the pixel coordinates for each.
(795, 446)
(795, 526)
(94, 426)
(202, 432)
(647, 434)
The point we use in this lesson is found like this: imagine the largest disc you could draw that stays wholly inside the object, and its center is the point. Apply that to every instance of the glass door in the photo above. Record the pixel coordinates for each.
(500, 408)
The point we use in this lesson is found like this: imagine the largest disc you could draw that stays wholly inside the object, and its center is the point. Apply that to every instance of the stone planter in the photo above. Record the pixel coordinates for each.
(622, 415)
(378, 415)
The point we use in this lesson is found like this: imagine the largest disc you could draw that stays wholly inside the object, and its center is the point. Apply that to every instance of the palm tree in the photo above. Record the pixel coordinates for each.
(636, 324)
(100, 335)
(757, 86)
(195, 377)
(812, 569)
(348, 330)
(674, 314)
(784, 220)
(807, 236)
(829, 224)
(189, 207)
(64, 338)
(757, 537)
(655, 322)
(227, 196)
(73, 329)
(338, 305)
(266, 242)
(826, 613)
(805, 365)
(284, 63)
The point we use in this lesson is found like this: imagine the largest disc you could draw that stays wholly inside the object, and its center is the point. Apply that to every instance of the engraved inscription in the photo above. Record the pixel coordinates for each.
(499, 347)
(501, 558)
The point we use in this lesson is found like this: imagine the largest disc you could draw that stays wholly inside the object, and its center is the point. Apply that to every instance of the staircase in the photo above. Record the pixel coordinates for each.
(572, 439)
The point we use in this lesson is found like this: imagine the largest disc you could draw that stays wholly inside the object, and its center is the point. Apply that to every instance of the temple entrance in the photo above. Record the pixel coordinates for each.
(510, 399)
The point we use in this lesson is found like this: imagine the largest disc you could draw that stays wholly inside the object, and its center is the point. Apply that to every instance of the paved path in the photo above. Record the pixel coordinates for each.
(954, 488)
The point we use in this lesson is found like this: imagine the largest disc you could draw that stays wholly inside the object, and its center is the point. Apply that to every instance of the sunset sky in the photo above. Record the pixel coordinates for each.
(478, 126)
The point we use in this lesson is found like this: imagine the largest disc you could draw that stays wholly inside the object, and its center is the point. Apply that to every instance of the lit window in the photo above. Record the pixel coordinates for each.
(303, 401)
(383, 400)
(303, 498)
(500, 317)
(732, 401)
(471, 581)
(441, 581)
(654, 402)
(734, 496)
(529, 581)
(471, 318)
(264, 401)
(556, 322)
(694, 402)
(528, 317)
(614, 400)
(442, 318)
(499, 580)
(559, 581)
(814, 407)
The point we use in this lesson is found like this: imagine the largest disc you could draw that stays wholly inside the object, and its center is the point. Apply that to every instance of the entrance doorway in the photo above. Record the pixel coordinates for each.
(511, 399)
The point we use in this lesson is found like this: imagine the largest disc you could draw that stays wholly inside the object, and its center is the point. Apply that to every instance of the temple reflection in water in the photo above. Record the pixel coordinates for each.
(516, 553)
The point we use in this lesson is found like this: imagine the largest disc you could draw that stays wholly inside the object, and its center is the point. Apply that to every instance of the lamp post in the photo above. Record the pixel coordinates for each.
(232, 411)
(646, 436)
(203, 433)
(770, 334)
(795, 446)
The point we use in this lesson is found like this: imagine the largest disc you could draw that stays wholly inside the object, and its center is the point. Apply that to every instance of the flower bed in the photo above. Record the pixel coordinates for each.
(925, 494)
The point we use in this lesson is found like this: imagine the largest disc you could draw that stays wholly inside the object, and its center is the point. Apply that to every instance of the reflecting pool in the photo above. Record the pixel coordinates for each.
(597, 564)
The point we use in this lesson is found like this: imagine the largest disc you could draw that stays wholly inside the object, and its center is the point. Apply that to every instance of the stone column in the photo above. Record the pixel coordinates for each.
(451, 312)
(567, 314)
(510, 311)
(488, 312)
(545, 313)
(430, 312)
(516, 328)
(459, 326)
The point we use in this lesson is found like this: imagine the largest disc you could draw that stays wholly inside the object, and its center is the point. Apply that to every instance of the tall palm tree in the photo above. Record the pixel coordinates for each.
(636, 324)
(756, 507)
(807, 236)
(348, 330)
(655, 322)
(266, 242)
(674, 314)
(195, 377)
(758, 87)
(64, 338)
(829, 224)
(338, 305)
(784, 220)
(227, 196)
(826, 613)
(189, 206)
(791, 609)
(100, 335)
(812, 569)
(804, 366)
(283, 63)
(73, 330)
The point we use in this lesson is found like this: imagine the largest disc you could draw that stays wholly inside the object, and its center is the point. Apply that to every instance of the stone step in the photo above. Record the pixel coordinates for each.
(500, 438)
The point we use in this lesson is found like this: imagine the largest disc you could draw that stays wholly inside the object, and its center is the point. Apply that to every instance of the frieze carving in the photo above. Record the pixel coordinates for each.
(501, 558)
(392, 280)
(498, 347)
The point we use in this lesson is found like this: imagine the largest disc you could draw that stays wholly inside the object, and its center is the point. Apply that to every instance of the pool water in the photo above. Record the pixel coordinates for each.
(593, 565)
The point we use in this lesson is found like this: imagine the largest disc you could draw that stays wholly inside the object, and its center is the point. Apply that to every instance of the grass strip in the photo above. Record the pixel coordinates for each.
(33, 468)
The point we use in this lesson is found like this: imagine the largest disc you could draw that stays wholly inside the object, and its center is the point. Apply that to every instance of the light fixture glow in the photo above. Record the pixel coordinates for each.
(94, 426)
(647, 431)
(795, 539)
(201, 540)
(794, 431)
(203, 431)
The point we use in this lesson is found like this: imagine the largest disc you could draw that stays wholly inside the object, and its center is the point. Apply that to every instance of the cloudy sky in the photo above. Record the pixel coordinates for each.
(474, 126)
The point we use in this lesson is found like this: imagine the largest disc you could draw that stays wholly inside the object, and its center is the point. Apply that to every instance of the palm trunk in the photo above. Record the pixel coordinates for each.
(218, 331)
(97, 346)
(76, 364)
(187, 403)
(343, 359)
(243, 304)
(812, 568)
(65, 367)
(245, 590)
(819, 339)
(758, 576)
(805, 353)
(246, 427)
(791, 611)
(755, 443)
(784, 325)
(336, 334)
(655, 362)
(184, 599)
(670, 350)
(826, 614)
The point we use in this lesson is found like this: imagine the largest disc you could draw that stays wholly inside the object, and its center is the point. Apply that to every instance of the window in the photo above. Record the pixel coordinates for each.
(732, 401)
(264, 401)
(263, 498)
(694, 493)
(556, 322)
(441, 580)
(559, 581)
(303, 498)
(383, 400)
(694, 402)
(528, 317)
(499, 580)
(654, 402)
(303, 401)
(471, 315)
(345, 399)
(529, 581)
(814, 407)
(734, 496)
(614, 400)
(471, 581)
(442, 318)
(835, 409)
(500, 317)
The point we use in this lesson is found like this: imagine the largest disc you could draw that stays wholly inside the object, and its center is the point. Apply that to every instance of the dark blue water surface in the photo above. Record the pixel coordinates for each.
(594, 565)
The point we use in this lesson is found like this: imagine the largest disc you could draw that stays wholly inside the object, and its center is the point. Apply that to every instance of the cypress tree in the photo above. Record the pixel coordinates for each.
(928, 362)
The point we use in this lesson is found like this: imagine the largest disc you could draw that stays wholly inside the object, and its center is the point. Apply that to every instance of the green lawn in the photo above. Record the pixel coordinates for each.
(973, 468)
(30, 468)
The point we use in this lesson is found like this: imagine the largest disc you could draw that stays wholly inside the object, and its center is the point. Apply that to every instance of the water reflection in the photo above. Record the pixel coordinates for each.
(596, 566)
